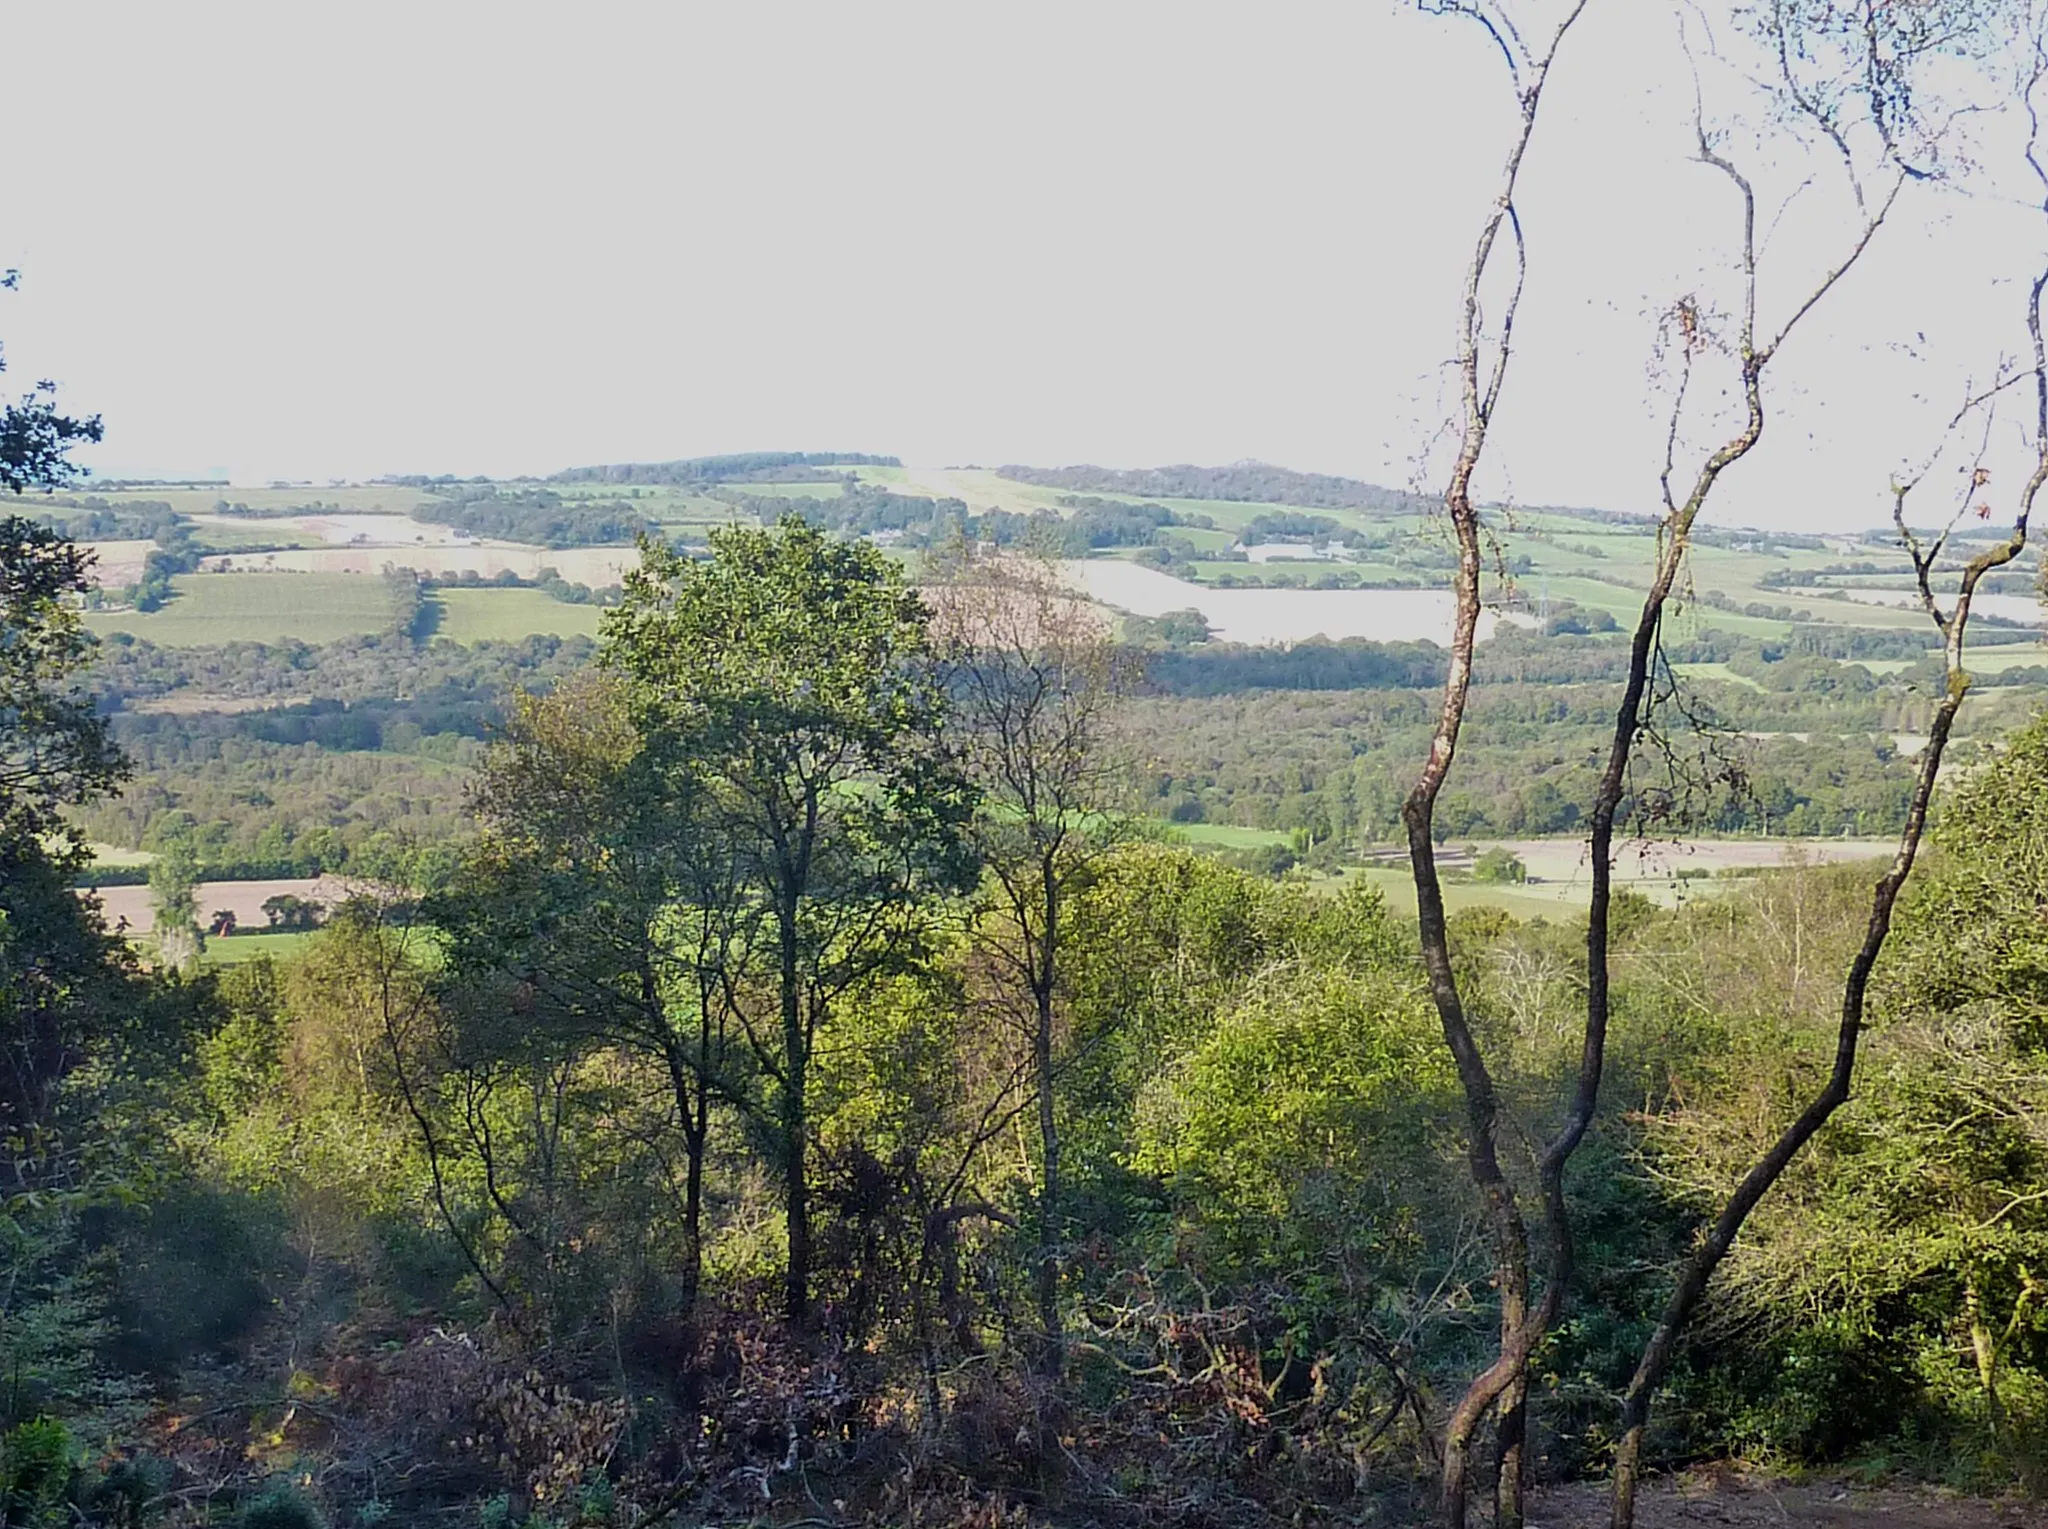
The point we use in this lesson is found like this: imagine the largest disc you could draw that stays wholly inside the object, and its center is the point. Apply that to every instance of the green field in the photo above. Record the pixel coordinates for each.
(114, 855)
(507, 615)
(2015, 656)
(1398, 887)
(790, 490)
(1225, 835)
(258, 607)
(1718, 672)
(253, 533)
(232, 950)
(1547, 900)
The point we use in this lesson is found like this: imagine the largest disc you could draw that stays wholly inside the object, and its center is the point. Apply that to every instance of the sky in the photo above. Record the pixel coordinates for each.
(300, 243)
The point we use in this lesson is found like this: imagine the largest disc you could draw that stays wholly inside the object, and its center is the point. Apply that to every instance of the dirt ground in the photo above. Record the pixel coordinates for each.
(1726, 1497)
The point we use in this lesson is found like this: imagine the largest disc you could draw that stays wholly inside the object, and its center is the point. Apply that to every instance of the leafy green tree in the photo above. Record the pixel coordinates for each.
(1499, 865)
(603, 914)
(173, 895)
(789, 679)
(55, 750)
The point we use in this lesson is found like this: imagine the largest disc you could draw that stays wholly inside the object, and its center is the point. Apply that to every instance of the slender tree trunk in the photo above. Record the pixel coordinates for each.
(695, 1137)
(1052, 1355)
(795, 1128)
(693, 1113)
(1480, 385)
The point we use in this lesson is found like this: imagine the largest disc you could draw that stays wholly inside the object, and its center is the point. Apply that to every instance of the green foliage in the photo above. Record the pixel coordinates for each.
(190, 1274)
(279, 1506)
(1499, 865)
(1175, 629)
(1281, 1128)
(1255, 482)
(534, 515)
(35, 1474)
(52, 1319)
(741, 467)
(173, 883)
(55, 751)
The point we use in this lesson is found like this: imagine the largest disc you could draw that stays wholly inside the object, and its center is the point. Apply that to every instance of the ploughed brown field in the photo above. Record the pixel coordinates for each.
(243, 898)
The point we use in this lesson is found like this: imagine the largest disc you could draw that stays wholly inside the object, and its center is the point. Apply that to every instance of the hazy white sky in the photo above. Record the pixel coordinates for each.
(369, 238)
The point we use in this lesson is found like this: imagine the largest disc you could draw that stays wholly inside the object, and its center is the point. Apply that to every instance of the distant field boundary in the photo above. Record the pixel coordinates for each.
(94, 876)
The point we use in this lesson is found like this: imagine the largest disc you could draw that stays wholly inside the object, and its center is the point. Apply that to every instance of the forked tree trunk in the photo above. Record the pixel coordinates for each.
(1481, 385)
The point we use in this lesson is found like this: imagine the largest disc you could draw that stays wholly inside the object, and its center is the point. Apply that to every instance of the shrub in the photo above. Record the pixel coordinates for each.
(280, 1506)
(35, 1470)
(1499, 865)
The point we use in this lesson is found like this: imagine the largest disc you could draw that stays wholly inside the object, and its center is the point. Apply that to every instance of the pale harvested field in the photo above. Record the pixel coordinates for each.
(244, 898)
(341, 530)
(1561, 882)
(2024, 609)
(595, 566)
(1275, 615)
(118, 564)
(190, 704)
(1568, 860)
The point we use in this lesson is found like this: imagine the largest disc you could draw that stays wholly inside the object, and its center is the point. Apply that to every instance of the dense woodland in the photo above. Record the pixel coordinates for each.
(813, 1085)
(302, 755)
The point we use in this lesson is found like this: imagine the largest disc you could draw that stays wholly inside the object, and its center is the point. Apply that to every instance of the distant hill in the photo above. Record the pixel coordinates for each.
(1263, 483)
(1241, 482)
(741, 467)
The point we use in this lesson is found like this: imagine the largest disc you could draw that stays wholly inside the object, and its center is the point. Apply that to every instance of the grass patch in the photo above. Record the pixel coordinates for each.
(508, 615)
(791, 490)
(1992, 660)
(1398, 887)
(1719, 672)
(214, 537)
(1226, 835)
(113, 854)
(232, 950)
(258, 607)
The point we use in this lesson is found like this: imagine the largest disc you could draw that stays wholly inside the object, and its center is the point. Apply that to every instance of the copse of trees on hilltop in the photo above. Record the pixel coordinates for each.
(504, 512)
(1244, 482)
(752, 466)
(921, 521)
